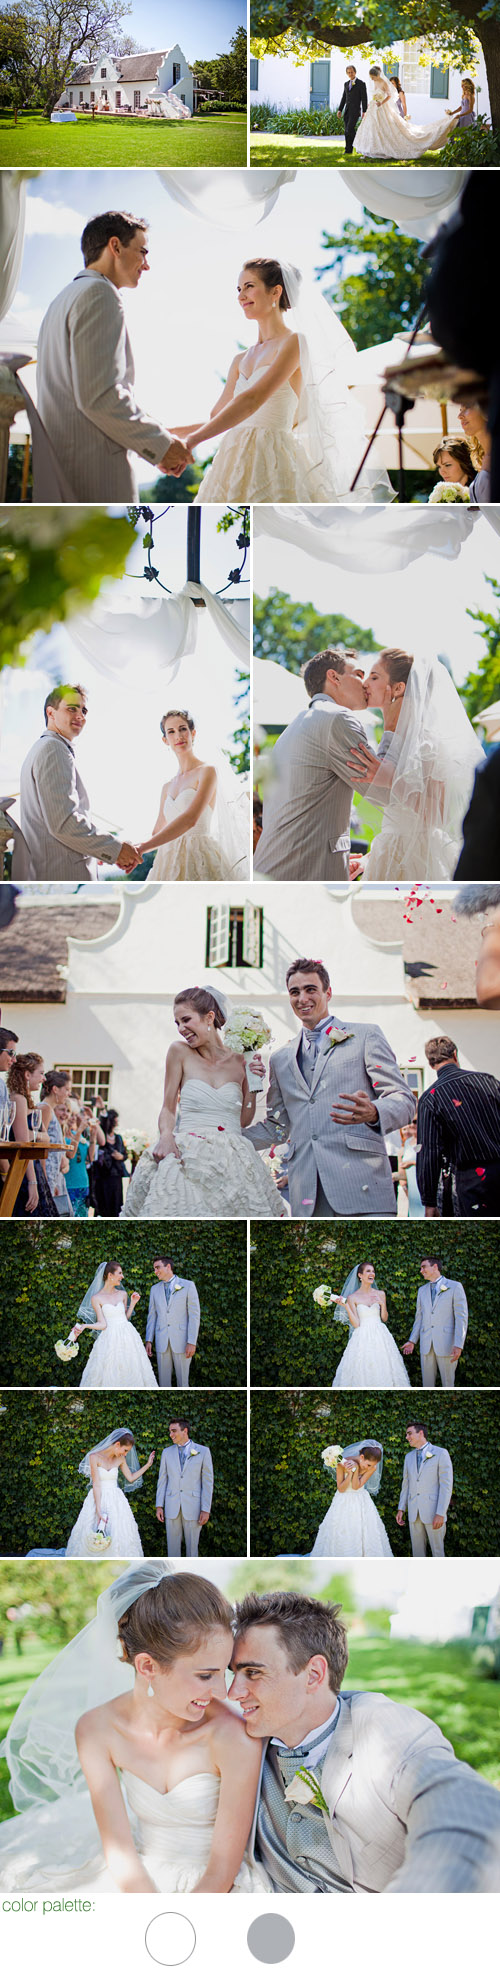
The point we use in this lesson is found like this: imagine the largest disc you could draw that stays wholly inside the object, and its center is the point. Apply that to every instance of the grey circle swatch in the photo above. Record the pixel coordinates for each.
(170, 1939)
(271, 1938)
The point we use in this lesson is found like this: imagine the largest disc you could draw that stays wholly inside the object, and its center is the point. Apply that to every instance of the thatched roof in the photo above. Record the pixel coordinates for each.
(34, 950)
(440, 950)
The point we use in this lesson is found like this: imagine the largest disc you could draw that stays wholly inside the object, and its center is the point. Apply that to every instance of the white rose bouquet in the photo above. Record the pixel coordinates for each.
(332, 1455)
(99, 1539)
(66, 1350)
(323, 1297)
(449, 494)
(246, 1032)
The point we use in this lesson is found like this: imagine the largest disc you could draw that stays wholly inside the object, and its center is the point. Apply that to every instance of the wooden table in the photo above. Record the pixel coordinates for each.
(18, 1155)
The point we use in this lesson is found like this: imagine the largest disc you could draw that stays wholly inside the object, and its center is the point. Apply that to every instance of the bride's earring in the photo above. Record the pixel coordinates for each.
(150, 1689)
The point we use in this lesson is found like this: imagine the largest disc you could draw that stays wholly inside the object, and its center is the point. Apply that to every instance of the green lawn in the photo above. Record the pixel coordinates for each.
(436, 1679)
(275, 150)
(120, 141)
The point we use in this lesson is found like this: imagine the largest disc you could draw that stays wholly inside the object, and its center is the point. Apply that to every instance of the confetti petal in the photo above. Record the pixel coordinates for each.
(456, 1104)
(307, 1200)
(480, 1173)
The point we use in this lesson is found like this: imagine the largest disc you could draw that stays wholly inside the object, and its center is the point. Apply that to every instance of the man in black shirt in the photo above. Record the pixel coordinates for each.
(459, 1125)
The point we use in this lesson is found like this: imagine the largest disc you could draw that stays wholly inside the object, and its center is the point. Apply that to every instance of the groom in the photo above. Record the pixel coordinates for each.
(57, 828)
(353, 105)
(398, 1813)
(335, 1093)
(85, 370)
(440, 1323)
(306, 812)
(184, 1490)
(173, 1323)
(426, 1492)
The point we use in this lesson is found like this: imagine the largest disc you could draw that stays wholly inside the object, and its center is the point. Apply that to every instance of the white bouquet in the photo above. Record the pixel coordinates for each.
(99, 1539)
(332, 1455)
(135, 1143)
(246, 1032)
(449, 494)
(323, 1297)
(66, 1350)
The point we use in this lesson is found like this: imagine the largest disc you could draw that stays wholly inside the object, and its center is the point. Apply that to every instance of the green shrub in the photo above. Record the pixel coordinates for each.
(46, 1435)
(293, 1343)
(296, 122)
(291, 1490)
(219, 109)
(45, 1269)
(479, 145)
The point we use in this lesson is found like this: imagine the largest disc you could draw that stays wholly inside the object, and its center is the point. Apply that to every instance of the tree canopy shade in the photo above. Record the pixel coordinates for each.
(47, 571)
(384, 297)
(41, 42)
(449, 28)
(290, 632)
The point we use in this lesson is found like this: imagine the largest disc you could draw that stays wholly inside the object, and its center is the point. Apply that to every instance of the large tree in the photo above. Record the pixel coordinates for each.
(55, 35)
(291, 632)
(482, 686)
(227, 72)
(449, 29)
(382, 297)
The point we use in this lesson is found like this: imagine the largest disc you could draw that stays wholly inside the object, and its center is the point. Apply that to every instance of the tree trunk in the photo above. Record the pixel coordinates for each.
(488, 33)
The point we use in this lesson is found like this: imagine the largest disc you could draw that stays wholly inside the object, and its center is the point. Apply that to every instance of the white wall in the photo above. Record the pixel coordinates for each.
(288, 87)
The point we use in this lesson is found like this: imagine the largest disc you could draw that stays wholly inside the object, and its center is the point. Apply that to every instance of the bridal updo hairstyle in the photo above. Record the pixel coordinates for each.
(270, 273)
(112, 1265)
(177, 714)
(173, 1618)
(371, 1450)
(362, 1267)
(203, 1001)
(397, 664)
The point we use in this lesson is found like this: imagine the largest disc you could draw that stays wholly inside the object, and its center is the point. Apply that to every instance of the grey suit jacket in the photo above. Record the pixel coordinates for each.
(85, 391)
(427, 1495)
(444, 1325)
(55, 817)
(405, 1815)
(190, 1492)
(350, 1160)
(179, 1322)
(305, 834)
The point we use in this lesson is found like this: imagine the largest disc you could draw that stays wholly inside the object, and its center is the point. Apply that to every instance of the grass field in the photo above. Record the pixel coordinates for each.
(121, 142)
(276, 150)
(438, 1680)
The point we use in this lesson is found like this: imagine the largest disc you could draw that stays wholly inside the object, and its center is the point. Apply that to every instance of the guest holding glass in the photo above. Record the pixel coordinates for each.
(55, 1091)
(34, 1197)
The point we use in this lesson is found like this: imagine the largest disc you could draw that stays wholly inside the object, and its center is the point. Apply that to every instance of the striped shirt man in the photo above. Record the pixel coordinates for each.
(459, 1125)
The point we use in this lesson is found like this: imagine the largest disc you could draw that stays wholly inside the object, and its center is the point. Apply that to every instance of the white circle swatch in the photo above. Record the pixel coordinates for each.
(170, 1939)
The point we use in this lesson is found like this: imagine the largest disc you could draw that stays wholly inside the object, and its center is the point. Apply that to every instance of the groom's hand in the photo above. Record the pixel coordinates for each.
(356, 1108)
(455, 1354)
(408, 1347)
(128, 857)
(189, 1351)
(437, 1523)
(176, 458)
(204, 1518)
(400, 1518)
(160, 1514)
(149, 1349)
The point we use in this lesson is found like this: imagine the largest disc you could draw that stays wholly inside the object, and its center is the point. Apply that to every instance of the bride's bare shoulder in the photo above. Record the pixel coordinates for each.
(95, 1726)
(229, 1734)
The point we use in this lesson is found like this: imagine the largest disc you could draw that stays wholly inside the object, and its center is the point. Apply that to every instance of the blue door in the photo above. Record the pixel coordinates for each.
(320, 85)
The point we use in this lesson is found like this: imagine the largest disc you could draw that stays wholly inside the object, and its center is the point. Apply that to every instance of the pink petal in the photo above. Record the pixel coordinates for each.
(308, 1200)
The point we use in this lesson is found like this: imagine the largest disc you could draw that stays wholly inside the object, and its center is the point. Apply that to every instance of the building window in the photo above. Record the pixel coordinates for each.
(137, 98)
(103, 75)
(81, 95)
(176, 69)
(70, 98)
(86, 1082)
(118, 98)
(440, 82)
(414, 1079)
(414, 75)
(235, 935)
(254, 73)
(92, 95)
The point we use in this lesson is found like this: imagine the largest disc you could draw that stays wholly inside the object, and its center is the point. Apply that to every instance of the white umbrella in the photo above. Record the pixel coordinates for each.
(425, 424)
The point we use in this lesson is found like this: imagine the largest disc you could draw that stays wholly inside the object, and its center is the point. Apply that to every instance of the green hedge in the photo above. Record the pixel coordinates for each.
(291, 1490)
(44, 1436)
(45, 1269)
(294, 1344)
(296, 122)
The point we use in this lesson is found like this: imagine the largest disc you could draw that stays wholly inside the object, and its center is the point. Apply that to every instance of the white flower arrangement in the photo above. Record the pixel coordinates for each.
(449, 495)
(323, 1297)
(246, 1031)
(332, 1455)
(66, 1350)
(136, 1142)
(305, 1790)
(98, 1539)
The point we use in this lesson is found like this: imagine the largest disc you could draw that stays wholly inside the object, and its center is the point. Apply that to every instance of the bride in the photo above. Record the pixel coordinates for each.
(202, 830)
(371, 1359)
(290, 428)
(353, 1528)
(202, 1164)
(384, 132)
(118, 1359)
(152, 1789)
(105, 1511)
(423, 773)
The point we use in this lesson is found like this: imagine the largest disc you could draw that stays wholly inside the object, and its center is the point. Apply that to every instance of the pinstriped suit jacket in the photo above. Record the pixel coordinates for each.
(444, 1325)
(351, 1160)
(85, 391)
(55, 817)
(404, 1815)
(426, 1494)
(305, 834)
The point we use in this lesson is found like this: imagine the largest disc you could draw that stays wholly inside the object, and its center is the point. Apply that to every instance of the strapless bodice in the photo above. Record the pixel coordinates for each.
(368, 1312)
(177, 1825)
(278, 413)
(113, 1307)
(213, 1108)
(107, 1477)
(171, 808)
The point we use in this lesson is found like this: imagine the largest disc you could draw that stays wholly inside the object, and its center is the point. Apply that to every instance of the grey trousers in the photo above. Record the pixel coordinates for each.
(166, 1361)
(431, 1362)
(420, 1533)
(174, 1529)
(322, 1209)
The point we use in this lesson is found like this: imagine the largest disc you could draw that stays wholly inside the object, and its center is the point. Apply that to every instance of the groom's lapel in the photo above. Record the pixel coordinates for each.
(326, 1051)
(337, 1773)
(299, 1076)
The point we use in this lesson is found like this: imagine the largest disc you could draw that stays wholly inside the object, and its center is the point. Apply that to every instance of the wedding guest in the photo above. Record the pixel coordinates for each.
(400, 98)
(467, 111)
(407, 1159)
(480, 855)
(56, 1087)
(473, 421)
(468, 334)
(8, 1042)
(110, 1169)
(459, 1125)
(454, 463)
(24, 1080)
(77, 1140)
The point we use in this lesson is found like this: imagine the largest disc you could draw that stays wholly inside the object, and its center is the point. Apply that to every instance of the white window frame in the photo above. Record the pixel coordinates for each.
(88, 1079)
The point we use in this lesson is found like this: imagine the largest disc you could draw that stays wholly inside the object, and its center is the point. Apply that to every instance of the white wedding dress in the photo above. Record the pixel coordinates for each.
(125, 1541)
(262, 459)
(404, 853)
(220, 1173)
(384, 133)
(352, 1529)
(172, 1832)
(118, 1359)
(371, 1359)
(194, 856)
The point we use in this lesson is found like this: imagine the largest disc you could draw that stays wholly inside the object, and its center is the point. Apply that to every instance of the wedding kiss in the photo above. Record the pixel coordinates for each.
(305, 1790)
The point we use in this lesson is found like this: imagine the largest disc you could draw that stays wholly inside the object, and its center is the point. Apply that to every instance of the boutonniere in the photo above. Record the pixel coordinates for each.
(305, 1790)
(193, 1452)
(177, 1287)
(427, 1453)
(337, 1034)
(443, 1287)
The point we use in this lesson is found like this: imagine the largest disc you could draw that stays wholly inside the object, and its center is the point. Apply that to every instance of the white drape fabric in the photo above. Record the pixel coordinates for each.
(415, 204)
(228, 199)
(425, 780)
(12, 223)
(379, 542)
(163, 629)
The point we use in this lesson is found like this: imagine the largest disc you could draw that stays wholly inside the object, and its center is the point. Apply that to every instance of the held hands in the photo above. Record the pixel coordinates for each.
(176, 457)
(356, 1108)
(356, 867)
(129, 857)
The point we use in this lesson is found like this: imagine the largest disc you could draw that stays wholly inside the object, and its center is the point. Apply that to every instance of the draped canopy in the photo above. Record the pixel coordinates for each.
(378, 540)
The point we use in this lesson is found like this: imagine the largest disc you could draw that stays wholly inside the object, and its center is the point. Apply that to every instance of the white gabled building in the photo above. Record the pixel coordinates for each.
(124, 82)
(430, 90)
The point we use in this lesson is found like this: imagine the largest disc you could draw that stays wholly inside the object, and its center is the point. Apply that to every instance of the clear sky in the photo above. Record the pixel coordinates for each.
(183, 319)
(120, 755)
(425, 605)
(202, 27)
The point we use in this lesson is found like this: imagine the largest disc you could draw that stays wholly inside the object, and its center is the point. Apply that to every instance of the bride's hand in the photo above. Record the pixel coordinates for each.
(363, 764)
(166, 1146)
(134, 1297)
(258, 1065)
(151, 1460)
